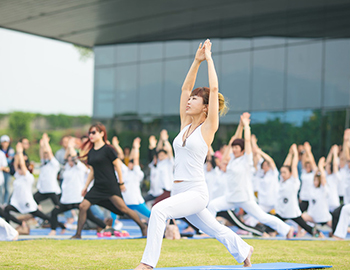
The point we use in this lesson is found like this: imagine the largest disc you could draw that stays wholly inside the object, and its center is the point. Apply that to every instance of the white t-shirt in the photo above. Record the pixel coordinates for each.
(287, 205)
(47, 182)
(165, 169)
(333, 196)
(132, 179)
(268, 188)
(73, 183)
(257, 175)
(318, 204)
(215, 183)
(155, 182)
(238, 179)
(307, 182)
(341, 184)
(3, 163)
(22, 197)
(346, 180)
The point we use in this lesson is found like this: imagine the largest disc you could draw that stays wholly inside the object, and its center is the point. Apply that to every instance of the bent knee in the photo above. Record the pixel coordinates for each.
(84, 206)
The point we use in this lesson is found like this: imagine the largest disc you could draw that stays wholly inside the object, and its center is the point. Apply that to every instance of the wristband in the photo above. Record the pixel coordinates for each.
(120, 184)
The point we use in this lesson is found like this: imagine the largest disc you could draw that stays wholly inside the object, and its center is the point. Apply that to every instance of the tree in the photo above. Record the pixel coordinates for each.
(19, 124)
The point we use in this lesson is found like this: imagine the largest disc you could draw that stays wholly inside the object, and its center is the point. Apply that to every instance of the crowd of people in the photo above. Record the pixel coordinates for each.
(243, 186)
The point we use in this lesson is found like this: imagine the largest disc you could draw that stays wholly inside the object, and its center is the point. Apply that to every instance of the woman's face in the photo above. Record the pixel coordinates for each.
(308, 167)
(5, 145)
(265, 166)
(95, 135)
(195, 105)
(317, 182)
(285, 173)
(237, 151)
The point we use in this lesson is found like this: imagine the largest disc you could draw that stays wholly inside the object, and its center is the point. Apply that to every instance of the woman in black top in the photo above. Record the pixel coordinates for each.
(106, 191)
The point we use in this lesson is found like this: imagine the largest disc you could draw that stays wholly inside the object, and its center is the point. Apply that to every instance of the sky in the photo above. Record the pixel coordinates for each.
(43, 76)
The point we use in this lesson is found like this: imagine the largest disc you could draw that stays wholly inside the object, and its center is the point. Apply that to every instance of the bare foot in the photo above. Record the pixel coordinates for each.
(16, 237)
(265, 235)
(321, 235)
(247, 262)
(76, 236)
(53, 232)
(290, 233)
(144, 230)
(143, 266)
(273, 234)
(63, 231)
(337, 238)
(301, 233)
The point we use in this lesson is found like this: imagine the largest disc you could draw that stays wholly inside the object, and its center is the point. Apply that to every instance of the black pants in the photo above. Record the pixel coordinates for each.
(39, 197)
(234, 219)
(303, 205)
(335, 217)
(36, 213)
(301, 223)
(65, 207)
(149, 197)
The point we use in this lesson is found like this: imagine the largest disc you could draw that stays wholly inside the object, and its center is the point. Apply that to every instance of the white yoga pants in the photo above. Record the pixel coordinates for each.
(7, 232)
(251, 208)
(343, 223)
(189, 200)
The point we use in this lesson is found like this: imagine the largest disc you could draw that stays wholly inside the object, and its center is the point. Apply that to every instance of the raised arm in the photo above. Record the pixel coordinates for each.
(346, 144)
(310, 156)
(288, 160)
(136, 151)
(247, 140)
(295, 161)
(255, 150)
(329, 160)
(212, 121)
(115, 143)
(20, 159)
(152, 147)
(335, 163)
(237, 135)
(321, 164)
(46, 145)
(267, 158)
(189, 84)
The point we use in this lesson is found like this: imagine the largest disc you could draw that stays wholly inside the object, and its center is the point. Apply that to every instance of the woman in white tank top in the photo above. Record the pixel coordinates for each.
(199, 122)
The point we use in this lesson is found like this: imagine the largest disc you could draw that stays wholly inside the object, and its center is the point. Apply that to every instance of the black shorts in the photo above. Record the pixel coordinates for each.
(94, 196)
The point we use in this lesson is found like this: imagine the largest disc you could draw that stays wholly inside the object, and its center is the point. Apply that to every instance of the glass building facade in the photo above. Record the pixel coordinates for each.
(296, 89)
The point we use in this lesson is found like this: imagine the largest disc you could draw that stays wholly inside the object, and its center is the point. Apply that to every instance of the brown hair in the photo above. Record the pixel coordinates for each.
(204, 92)
(87, 146)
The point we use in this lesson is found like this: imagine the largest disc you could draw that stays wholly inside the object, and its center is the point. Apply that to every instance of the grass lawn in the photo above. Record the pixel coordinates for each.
(126, 254)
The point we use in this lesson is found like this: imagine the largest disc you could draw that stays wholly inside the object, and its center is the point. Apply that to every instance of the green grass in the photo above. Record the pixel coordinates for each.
(126, 254)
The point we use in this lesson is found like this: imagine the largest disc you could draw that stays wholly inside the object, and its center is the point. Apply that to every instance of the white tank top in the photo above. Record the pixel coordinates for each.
(189, 159)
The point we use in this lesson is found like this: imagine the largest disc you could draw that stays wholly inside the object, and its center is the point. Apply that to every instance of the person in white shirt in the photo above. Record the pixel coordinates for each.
(132, 179)
(3, 167)
(155, 189)
(73, 183)
(22, 200)
(318, 205)
(333, 178)
(268, 183)
(165, 166)
(189, 198)
(238, 182)
(47, 185)
(309, 168)
(287, 206)
(341, 225)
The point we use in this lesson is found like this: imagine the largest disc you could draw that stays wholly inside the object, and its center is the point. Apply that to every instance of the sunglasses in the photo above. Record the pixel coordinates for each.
(92, 132)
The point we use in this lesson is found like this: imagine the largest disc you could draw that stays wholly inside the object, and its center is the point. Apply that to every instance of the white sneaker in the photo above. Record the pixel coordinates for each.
(118, 226)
